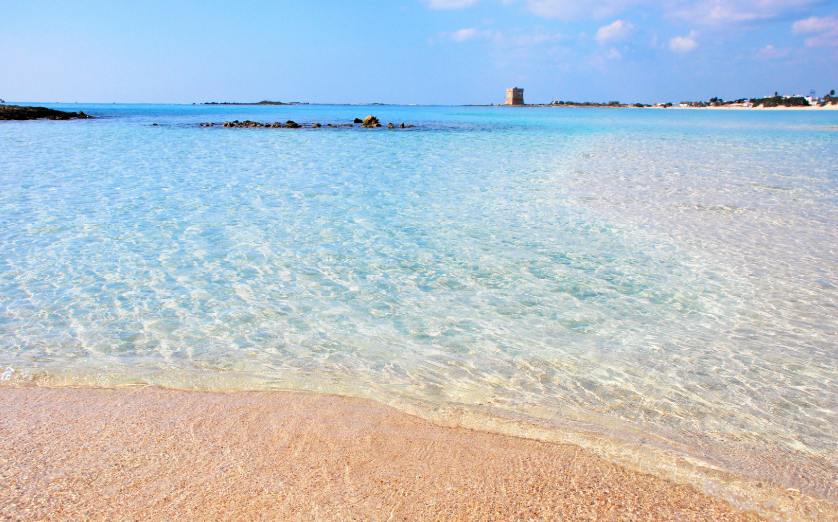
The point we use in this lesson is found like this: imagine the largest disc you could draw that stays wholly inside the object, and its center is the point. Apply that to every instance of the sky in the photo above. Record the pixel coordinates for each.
(415, 51)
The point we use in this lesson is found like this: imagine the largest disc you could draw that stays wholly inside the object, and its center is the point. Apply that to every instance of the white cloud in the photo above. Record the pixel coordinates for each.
(617, 30)
(463, 35)
(707, 12)
(715, 12)
(769, 51)
(572, 9)
(450, 4)
(683, 44)
(614, 54)
(501, 40)
(824, 30)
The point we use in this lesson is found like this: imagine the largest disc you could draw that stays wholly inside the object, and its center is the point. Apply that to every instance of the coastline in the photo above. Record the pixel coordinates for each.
(728, 107)
(153, 453)
(765, 480)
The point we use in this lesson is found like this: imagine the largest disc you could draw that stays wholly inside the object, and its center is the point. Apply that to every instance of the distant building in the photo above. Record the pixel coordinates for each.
(514, 96)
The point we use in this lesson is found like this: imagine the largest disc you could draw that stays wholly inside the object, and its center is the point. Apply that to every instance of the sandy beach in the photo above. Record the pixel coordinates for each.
(156, 454)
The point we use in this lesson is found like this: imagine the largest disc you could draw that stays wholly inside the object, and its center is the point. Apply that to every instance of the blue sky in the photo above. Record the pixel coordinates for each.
(415, 51)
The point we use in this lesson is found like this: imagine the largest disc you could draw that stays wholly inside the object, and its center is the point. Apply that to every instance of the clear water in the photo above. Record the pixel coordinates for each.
(663, 276)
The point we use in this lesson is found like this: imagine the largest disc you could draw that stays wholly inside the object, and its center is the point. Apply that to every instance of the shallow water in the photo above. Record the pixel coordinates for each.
(663, 276)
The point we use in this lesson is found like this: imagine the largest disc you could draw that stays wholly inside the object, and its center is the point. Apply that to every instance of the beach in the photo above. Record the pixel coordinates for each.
(155, 454)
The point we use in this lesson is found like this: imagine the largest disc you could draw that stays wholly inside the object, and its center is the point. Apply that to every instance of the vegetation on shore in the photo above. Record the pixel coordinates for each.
(780, 101)
(18, 112)
(768, 101)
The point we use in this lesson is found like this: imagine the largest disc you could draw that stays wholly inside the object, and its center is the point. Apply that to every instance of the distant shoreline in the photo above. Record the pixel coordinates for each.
(827, 107)
(263, 102)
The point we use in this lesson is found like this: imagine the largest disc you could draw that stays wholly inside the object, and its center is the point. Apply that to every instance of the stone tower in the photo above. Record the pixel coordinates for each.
(514, 96)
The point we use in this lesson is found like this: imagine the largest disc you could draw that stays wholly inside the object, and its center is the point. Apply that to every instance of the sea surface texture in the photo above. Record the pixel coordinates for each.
(667, 278)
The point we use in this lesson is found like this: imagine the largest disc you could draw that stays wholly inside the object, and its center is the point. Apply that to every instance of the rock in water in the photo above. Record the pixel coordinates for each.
(371, 121)
(357, 120)
(316, 125)
(292, 124)
(17, 112)
(401, 126)
(391, 126)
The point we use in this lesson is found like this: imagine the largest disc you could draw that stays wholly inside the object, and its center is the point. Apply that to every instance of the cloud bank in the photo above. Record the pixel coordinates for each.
(706, 12)
(618, 30)
(683, 44)
(450, 4)
(824, 30)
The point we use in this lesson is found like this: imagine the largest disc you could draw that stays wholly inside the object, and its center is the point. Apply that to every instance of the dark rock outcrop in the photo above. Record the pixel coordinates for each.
(357, 120)
(371, 121)
(17, 112)
(368, 122)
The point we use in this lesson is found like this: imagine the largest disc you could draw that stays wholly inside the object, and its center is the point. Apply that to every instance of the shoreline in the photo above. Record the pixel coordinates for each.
(152, 453)
(829, 107)
(69, 419)
(770, 484)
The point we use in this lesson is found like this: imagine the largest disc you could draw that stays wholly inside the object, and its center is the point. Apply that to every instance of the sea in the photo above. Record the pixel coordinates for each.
(657, 285)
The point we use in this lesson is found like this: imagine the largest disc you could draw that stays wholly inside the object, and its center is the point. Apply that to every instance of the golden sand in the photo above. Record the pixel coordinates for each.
(155, 454)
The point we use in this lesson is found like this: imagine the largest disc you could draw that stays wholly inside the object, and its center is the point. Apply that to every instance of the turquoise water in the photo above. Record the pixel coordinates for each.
(661, 276)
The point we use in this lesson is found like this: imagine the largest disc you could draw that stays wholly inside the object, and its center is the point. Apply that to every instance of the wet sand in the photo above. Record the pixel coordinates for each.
(156, 454)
